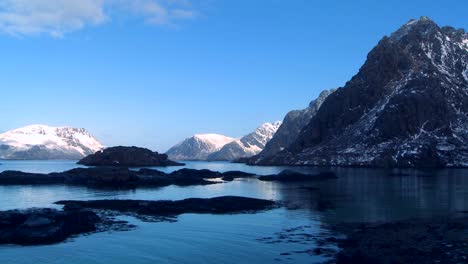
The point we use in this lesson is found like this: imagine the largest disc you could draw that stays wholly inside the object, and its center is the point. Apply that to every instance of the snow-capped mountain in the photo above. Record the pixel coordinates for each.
(45, 142)
(406, 107)
(292, 125)
(198, 147)
(248, 145)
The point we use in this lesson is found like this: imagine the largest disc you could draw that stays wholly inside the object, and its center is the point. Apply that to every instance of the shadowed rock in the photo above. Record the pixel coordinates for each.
(116, 177)
(128, 157)
(217, 205)
(292, 176)
(44, 226)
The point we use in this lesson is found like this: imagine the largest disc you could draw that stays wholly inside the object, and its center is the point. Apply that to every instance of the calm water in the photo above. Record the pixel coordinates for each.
(358, 195)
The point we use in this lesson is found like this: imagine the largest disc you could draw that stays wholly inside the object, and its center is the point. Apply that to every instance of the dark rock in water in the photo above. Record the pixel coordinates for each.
(196, 173)
(121, 178)
(217, 205)
(231, 175)
(128, 157)
(44, 226)
(101, 177)
(25, 178)
(406, 107)
(293, 176)
(410, 241)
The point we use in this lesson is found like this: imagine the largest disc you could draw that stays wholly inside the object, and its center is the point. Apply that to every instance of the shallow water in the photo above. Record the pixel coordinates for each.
(358, 195)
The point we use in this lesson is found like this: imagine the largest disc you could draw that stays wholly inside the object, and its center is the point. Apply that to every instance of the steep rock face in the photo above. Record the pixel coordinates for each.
(198, 147)
(248, 145)
(407, 106)
(45, 142)
(291, 127)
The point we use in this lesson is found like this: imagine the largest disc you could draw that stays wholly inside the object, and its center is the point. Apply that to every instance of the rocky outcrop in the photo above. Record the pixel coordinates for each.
(121, 178)
(217, 205)
(293, 176)
(406, 107)
(290, 129)
(248, 145)
(44, 226)
(128, 157)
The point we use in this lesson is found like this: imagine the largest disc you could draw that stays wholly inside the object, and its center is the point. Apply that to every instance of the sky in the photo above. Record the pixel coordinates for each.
(153, 72)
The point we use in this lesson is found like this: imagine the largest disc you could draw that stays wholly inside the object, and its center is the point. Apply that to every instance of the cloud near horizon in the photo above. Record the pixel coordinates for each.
(58, 17)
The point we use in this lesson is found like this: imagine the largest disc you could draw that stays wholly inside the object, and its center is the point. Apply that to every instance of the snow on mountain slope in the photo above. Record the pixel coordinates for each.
(406, 107)
(198, 147)
(45, 142)
(248, 145)
(291, 127)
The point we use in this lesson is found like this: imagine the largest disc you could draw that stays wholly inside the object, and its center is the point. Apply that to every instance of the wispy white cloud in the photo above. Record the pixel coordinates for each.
(58, 17)
(162, 12)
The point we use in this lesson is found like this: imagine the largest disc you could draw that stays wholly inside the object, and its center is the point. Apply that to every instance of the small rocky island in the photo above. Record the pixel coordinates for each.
(128, 157)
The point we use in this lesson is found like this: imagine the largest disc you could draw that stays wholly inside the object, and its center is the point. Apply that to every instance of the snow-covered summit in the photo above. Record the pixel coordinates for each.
(198, 147)
(215, 140)
(46, 142)
(248, 145)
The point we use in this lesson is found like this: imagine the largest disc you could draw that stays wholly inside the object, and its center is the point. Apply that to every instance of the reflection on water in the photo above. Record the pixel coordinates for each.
(357, 195)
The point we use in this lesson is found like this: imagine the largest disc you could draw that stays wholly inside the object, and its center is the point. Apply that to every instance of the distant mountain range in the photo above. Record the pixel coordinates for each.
(45, 142)
(219, 147)
(198, 147)
(406, 107)
(248, 145)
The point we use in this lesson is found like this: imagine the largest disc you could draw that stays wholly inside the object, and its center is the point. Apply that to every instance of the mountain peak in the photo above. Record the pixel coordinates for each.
(423, 26)
(47, 142)
(406, 107)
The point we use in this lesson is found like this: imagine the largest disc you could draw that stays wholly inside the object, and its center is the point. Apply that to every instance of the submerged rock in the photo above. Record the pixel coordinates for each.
(128, 157)
(44, 226)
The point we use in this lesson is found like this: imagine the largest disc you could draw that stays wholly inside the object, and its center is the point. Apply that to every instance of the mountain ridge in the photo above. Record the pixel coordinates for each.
(47, 142)
(406, 107)
(248, 145)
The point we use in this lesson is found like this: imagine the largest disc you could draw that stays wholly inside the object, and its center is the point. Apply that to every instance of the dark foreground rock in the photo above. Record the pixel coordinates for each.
(44, 226)
(412, 241)
(128, 157)
(292, 176)
(217, 205)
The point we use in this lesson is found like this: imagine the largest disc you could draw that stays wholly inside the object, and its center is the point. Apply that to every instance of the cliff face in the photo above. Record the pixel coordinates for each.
(290, 129)
(407, 106)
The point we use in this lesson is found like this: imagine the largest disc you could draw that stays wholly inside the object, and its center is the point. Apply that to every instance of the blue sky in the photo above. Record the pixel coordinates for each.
(150, 73)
